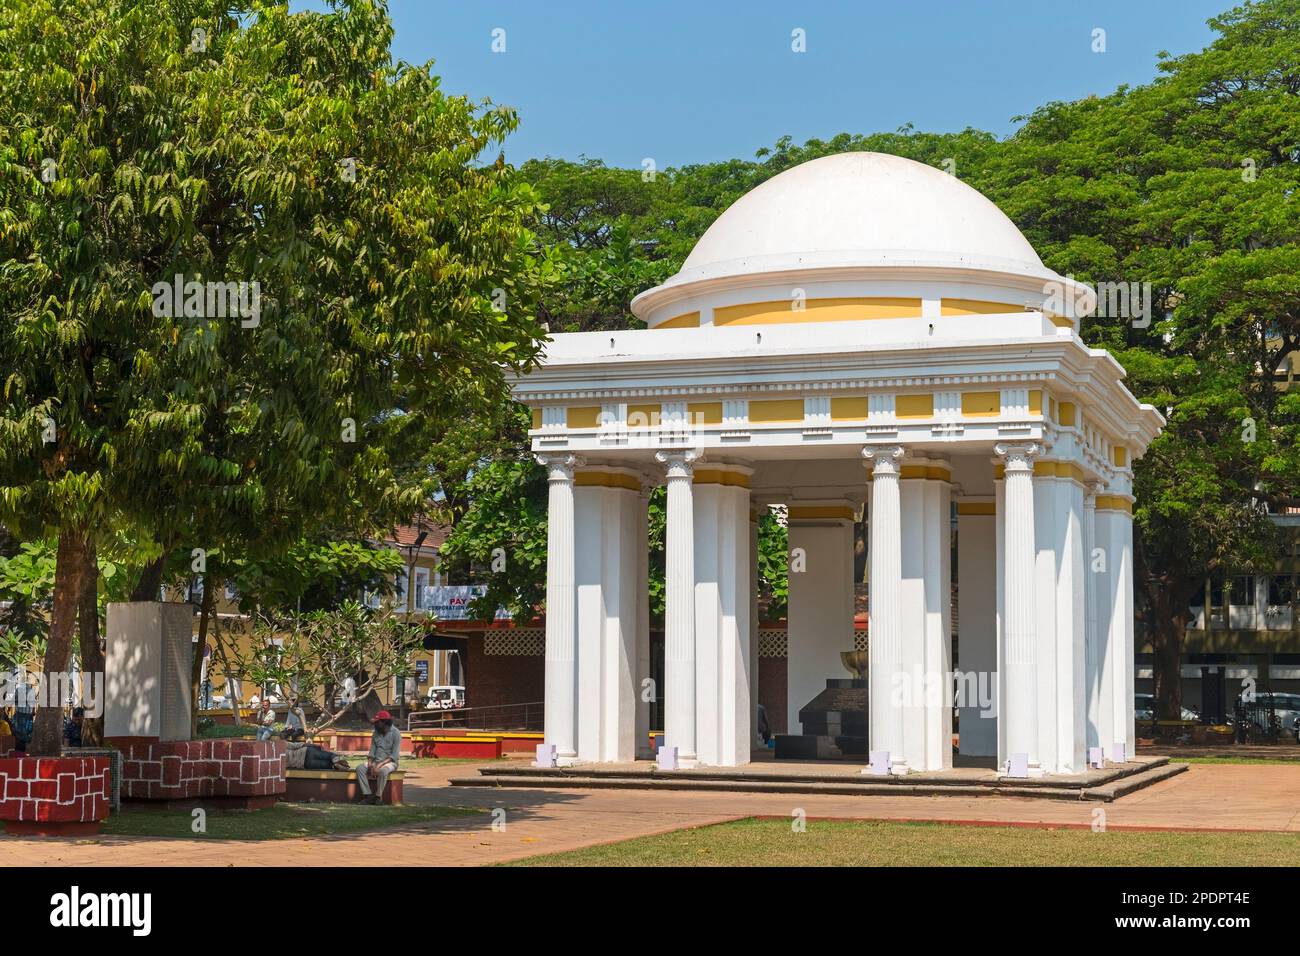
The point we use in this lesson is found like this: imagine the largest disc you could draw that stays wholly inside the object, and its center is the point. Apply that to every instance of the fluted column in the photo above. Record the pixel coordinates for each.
(561, 706)
(1115, 531)
(885, 636)
(1020, 703)
(1098, 696)
(643, 664)
(679, 610)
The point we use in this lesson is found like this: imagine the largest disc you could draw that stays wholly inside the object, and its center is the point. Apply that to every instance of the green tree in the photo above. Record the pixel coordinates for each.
(314, 654)
(236, 142)
(1189, 184)
(314, 576)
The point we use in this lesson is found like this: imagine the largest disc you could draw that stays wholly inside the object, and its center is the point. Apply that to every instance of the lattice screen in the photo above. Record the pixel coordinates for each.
(771, 642)
(516, 642)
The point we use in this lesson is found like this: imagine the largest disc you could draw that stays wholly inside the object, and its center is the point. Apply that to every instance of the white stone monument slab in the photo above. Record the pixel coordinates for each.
(149, 648)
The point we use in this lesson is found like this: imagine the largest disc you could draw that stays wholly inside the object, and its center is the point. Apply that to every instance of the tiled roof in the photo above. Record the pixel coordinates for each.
(404, 535)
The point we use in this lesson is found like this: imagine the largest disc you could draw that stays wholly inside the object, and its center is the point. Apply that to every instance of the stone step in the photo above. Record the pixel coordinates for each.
(1091, 780)
(1125, 785)
(842, 785)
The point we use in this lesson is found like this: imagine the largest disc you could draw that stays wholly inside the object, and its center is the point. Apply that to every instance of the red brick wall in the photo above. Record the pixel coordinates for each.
(772, 691)
(181, 770)
(54, 789)
(494, 679)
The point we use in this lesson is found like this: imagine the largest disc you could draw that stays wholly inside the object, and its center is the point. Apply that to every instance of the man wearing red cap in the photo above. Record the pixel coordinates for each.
(385, 751)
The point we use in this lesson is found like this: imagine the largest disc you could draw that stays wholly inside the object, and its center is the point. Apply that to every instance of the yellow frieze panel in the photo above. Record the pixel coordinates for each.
(582, 416)
(644, 416)
(784, 311)
(705, 413)
(976, 307)
(981, 404)
(848, 409)
(930, 472)
(1114, 503)
(776, 410)
(914, 406)
(719, 476)
(606, 479)
(687, 320)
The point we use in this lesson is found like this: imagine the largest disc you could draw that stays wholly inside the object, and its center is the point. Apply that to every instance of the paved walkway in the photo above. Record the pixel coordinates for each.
(1233, 797)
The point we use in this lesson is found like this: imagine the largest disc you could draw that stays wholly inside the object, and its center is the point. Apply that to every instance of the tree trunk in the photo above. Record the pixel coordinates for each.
(196, 668)
(1167, 631)
(220, 654)
(92, 651)
(47, 729)
(150, 583)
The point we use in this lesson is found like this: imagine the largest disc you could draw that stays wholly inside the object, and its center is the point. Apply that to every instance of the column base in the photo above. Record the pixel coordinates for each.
(1034, 771)
(895, 770)
(566, 760)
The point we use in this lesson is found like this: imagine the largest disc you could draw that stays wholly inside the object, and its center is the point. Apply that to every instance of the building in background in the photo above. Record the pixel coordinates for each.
(1252, 639)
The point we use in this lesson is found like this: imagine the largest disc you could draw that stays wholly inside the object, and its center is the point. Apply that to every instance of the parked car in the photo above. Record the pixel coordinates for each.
(1144, 707)
(1284, 708)
(445, 697)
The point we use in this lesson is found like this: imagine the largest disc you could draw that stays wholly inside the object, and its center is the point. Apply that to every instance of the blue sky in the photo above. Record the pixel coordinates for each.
(684, 82)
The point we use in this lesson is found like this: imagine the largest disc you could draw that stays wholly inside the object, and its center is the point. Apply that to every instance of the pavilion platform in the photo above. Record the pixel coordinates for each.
(834, 777)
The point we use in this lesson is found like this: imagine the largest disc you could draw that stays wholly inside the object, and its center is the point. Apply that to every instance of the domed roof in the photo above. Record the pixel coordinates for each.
(860, 209)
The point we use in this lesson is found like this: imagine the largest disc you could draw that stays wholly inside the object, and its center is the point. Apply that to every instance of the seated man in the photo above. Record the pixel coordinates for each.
(385, 751)
(265, 721)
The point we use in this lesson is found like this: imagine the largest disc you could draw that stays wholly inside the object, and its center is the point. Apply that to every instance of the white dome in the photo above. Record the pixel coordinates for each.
(860, 209)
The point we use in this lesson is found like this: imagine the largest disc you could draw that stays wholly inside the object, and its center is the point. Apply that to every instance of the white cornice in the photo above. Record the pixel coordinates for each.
(853, 269)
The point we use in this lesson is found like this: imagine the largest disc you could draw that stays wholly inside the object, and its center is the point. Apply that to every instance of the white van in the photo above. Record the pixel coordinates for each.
(446, 697)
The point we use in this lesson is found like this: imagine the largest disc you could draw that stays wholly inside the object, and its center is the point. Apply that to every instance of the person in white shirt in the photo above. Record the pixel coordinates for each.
(265, 721)
(295, 721)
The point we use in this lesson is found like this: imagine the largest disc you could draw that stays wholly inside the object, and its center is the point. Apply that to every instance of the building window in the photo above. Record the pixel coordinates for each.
(421, 582)
(1241, 593)
(1282, 589)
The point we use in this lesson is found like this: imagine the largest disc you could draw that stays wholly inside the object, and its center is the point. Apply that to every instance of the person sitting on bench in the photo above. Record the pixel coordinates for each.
(385, 751)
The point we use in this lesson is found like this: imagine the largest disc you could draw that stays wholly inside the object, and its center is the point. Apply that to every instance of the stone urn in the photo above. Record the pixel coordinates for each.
(855, 662)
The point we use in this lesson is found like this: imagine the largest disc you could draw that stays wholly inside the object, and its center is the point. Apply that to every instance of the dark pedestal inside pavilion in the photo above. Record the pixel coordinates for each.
(834, 725)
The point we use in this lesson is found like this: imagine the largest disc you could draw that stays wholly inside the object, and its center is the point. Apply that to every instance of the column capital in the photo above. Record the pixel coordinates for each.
(560, 467)
(1017, 457)
(1091, 489)
(679, 463)
(882, 460)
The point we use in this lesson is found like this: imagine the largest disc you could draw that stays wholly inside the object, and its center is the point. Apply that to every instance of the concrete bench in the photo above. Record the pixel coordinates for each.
(336, 786)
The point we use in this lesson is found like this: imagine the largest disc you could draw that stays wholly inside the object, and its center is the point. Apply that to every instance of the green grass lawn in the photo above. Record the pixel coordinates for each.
(281, 822)
(755, 842)
(1229, 758)
(221, 731)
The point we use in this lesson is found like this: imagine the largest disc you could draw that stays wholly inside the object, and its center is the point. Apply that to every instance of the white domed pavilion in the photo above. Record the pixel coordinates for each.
(856, 310)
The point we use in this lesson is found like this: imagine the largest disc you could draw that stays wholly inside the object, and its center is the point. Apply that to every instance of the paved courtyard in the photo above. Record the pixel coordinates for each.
(1229, 797)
